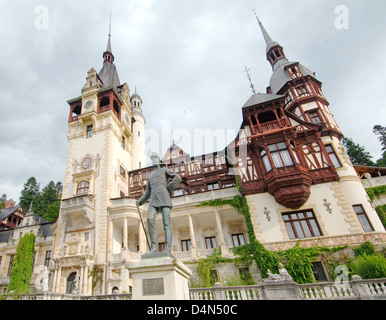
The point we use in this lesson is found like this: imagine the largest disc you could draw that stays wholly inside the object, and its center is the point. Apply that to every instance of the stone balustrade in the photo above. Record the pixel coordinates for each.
(356, 289)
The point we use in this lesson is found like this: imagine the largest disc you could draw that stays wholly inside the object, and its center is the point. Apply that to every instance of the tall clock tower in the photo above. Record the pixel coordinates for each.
(100, 155)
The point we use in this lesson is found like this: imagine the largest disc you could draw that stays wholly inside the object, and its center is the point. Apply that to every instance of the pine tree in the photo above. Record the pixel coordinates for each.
(29, 193)
(381, 131)
(357, 153)
(45, 203)
(50, 200)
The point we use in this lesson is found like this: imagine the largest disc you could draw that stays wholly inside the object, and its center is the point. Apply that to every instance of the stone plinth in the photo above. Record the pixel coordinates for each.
(163, 278)
(281, 290)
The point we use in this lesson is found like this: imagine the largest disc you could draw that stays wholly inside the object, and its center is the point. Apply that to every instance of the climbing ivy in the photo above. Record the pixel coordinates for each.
(297, 260)
(375, 191)
(206, 265)
(96, 274)
(381, 210)
(22, 265)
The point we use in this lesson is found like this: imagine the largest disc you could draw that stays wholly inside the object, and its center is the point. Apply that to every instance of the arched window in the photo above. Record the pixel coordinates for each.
(83, 187)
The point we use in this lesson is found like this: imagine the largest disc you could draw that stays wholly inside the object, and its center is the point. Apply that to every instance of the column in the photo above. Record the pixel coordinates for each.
(54, 279)
(81, 279)
(110, 240)
(220, 233)
(58, 279)
(191, 230)
(141, 238)
(125, 244)
(193, 249)
(85, 280)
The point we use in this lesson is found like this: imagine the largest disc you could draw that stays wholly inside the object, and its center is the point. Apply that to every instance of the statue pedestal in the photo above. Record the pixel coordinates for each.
(162, 278)
(281, 290)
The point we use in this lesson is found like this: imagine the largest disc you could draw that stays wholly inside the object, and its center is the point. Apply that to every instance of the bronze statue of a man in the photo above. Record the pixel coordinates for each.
(158, 189)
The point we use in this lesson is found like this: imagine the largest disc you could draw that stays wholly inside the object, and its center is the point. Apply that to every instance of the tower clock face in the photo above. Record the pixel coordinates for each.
(88, 104)
(86, 163)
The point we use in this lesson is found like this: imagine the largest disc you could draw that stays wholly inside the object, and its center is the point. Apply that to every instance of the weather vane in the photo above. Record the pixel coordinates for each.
(246, 70)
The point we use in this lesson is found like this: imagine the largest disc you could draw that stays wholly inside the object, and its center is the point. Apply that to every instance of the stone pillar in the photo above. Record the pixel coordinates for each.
(281, 290)
(193, 249)
(141, 238)
(191, 230)
(110, 240)
(81, 279)
(58, 279)
(219, 228)
(360, 288)
(162, 278)
(54, 279)
(125, 244)
(85, 280)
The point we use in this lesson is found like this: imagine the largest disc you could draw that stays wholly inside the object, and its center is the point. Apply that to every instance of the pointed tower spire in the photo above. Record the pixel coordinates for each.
(108, 54)
(108, 73)
(273, 50)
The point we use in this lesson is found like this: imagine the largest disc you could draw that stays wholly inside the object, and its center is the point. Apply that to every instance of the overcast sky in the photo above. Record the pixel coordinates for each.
(186, 58)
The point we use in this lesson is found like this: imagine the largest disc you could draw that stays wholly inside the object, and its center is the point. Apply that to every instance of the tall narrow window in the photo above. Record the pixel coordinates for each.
(301, 224)
(186, 245)
(318, 271)
(10, 266)
(122, 172)
(314, 116)
(267, 163)
(333, 156)
(89, 132)
(211, 242)
(47, 259)
(238, 239)
(361, 214)
(123, 142)
(280, 154)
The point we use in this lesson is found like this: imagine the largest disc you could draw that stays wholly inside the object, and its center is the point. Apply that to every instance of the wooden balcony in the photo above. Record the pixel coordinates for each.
(289, 185)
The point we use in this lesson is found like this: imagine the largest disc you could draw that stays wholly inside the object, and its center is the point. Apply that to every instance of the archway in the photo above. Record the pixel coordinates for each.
(71, 282)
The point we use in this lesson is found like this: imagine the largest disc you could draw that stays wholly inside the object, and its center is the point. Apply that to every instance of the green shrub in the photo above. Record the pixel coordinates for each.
(366, 248)
(370, 266)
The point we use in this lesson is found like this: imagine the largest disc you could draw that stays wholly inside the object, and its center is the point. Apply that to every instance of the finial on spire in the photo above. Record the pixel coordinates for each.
(110, 26)
(256, 16)
(246, 70)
